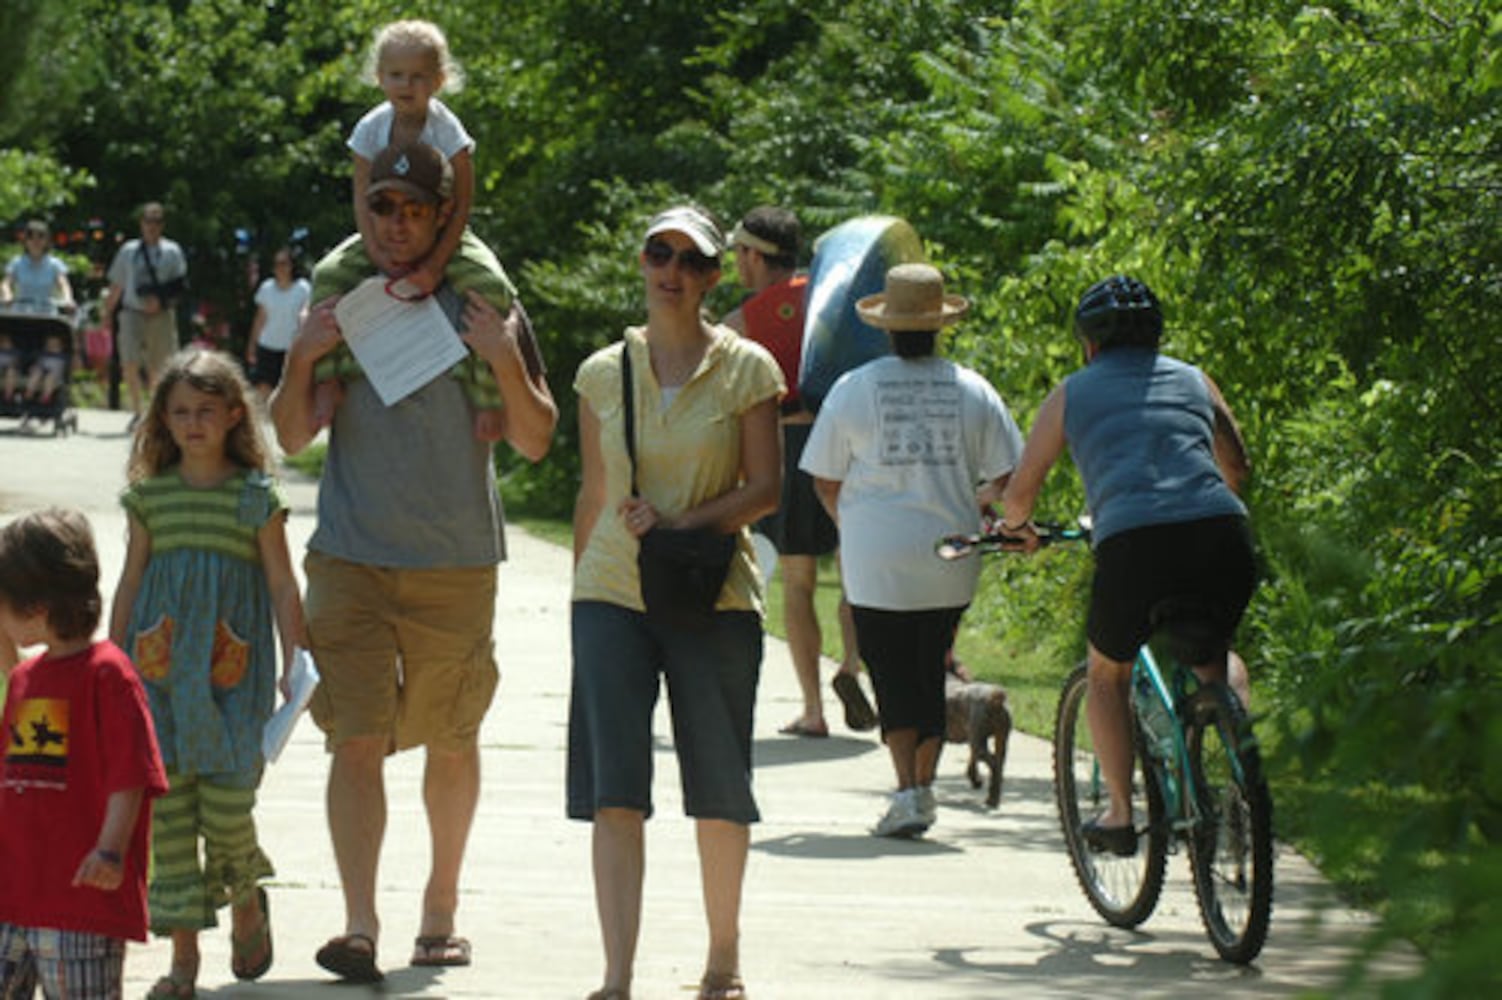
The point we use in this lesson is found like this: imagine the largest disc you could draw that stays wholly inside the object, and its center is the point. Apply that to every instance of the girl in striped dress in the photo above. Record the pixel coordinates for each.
(207, 571)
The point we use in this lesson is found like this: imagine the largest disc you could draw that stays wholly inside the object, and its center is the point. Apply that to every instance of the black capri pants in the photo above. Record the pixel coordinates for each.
(904, 652)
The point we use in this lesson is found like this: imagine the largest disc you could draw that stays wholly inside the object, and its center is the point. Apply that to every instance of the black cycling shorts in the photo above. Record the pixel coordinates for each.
(1203, 570)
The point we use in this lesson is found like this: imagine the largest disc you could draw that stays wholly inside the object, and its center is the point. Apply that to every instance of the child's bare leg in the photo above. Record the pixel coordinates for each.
(327, 396)
(490, 425)
(183, 974)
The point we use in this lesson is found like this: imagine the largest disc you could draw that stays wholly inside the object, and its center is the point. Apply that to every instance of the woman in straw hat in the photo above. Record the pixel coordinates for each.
(898, 451)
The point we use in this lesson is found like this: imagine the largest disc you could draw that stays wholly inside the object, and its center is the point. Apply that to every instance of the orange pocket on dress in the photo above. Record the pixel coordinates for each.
(153, 650)
(230, 657)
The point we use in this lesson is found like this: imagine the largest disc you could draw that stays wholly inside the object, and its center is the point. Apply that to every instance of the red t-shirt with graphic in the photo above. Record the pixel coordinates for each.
(76, 729)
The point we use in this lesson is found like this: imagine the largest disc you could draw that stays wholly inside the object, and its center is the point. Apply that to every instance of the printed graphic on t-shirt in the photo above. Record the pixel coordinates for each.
(36, 748)
(919, 420)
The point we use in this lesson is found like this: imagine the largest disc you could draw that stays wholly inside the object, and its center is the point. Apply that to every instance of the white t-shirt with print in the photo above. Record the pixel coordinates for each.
(443, 131)
(909, 441)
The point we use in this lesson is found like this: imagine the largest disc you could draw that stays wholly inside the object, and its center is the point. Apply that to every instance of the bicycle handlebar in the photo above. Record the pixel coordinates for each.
(952, 547)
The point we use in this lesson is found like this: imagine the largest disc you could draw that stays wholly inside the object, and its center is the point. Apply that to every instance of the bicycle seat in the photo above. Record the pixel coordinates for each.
(1187, 627)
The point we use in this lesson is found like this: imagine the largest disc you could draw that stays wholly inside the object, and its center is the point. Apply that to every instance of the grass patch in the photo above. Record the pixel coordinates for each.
(85, 390)
(549, 529)
(826, 607)
(309, 461)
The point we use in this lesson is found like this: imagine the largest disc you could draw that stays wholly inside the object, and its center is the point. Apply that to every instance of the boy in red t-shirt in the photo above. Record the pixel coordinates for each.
(79, 771)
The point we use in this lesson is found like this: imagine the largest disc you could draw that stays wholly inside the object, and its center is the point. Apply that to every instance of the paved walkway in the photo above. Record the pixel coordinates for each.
(985, 906)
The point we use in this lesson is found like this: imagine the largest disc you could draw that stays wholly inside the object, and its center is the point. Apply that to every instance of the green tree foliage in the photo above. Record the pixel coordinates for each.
(1312, 189)
(32, 181)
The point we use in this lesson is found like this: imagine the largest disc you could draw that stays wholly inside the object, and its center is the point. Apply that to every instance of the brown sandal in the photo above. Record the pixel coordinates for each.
(722, 986)
(170, 987)
(250, 956)
(440, 950)
(859, 715)
(351, 957)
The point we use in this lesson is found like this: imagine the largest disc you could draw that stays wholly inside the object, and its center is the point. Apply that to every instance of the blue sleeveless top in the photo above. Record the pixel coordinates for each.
(1140, 428)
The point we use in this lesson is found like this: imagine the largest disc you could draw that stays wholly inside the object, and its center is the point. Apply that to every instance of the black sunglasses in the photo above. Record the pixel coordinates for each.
(659, 253)
(411, 210)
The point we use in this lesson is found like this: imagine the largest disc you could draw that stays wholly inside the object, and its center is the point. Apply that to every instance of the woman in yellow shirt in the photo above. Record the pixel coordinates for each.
(707, 456)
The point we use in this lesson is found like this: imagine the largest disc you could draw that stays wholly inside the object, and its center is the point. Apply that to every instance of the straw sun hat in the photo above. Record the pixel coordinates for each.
(914, 300)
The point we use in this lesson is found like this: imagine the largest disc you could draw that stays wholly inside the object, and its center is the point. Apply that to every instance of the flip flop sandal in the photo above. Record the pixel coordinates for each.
(440, 949)
(244, 950)
(800, 728)
(169, 987)
(722, 986)
(858, 712)
(347, 961)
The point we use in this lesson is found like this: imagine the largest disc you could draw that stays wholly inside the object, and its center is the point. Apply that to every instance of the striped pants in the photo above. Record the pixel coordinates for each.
(216, 811)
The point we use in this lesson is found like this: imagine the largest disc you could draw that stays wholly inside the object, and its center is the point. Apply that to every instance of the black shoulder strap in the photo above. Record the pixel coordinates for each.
(628, 401)
(145, 253)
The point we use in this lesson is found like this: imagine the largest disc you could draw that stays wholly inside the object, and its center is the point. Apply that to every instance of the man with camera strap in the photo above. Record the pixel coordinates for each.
(147, 277)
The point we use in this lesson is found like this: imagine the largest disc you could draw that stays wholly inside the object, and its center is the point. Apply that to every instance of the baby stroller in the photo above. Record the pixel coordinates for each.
(36, 365)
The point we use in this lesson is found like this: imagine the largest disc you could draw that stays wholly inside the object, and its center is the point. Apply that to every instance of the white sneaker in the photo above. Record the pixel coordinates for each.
(902, 818)
(928, 805)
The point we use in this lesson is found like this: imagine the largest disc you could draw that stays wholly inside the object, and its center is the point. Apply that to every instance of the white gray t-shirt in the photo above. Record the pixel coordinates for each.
(130, 269)
(909, 440)
(284, 308)
(443, 131)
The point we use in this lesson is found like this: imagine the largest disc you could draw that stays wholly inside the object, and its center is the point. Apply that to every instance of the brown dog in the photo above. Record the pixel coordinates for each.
(976, 713)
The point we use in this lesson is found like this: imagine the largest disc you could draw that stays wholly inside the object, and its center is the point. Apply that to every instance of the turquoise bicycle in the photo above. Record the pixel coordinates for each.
(1198, 771)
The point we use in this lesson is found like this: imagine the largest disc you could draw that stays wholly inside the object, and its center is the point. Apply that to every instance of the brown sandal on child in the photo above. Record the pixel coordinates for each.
(722, 986)
(169, 987)
(250, 956)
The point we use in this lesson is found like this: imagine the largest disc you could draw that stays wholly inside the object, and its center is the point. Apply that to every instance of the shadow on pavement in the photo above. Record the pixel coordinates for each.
(779, 750)
(847, 846)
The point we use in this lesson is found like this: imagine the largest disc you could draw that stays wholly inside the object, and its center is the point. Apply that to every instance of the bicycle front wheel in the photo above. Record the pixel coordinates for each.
(1231, 848)
(1123, 890)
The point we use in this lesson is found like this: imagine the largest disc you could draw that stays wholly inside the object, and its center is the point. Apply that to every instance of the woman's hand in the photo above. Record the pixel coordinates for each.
(639, 515)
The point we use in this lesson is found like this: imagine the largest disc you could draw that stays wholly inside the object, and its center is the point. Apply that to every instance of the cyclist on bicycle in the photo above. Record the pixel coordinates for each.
(1162, 461)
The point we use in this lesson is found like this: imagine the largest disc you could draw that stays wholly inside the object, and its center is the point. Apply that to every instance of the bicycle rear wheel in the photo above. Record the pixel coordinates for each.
(1231, 849)
(1122, 890)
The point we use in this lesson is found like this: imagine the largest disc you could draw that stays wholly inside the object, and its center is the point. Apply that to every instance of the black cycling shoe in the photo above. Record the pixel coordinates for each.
(1118, 840)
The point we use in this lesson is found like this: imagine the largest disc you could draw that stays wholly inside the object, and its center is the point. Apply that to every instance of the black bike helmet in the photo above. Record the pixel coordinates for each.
(1119, 312)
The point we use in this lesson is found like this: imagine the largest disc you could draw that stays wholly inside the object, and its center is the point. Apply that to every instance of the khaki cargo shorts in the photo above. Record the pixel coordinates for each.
(149, 339)
(403, 653)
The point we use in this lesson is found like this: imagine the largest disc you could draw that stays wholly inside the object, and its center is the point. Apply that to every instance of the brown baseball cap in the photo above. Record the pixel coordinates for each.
(415, 169)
